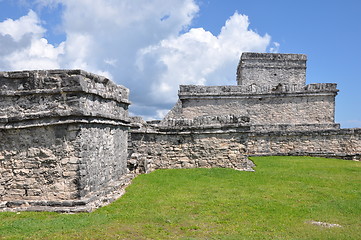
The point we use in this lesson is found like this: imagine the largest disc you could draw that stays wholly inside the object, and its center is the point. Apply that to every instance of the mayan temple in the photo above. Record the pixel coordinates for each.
(271, 90)
(68, 144)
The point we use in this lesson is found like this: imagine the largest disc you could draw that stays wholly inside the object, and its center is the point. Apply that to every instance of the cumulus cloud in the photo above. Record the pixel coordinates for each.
(198, 57)
(148, 46)
(22, 45)
(23, 26)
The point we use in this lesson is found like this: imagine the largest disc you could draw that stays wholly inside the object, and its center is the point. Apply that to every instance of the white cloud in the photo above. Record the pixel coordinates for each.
(23, 46)
(108, 35)
(111, 62)
(39, 54)
(144, 45)
(17, 29)
(196, 57)
(275, 47)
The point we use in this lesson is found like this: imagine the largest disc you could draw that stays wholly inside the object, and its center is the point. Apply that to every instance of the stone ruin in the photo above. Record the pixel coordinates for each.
(63, 137)
(68, 145)
(271, 91)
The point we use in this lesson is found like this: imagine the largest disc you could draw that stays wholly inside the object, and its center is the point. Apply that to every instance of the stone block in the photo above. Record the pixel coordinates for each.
(45, 119)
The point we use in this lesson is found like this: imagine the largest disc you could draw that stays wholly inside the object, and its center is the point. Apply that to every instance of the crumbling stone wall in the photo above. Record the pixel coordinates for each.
(38, 163)
(342, 143)
(63, 137)
(203, 142)
(312, 105)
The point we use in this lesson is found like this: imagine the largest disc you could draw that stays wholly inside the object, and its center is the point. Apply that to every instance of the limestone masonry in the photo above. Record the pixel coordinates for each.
(63, 140)
(68, 145)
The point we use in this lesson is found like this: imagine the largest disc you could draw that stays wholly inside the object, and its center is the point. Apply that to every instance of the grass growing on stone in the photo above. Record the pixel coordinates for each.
(278, 201)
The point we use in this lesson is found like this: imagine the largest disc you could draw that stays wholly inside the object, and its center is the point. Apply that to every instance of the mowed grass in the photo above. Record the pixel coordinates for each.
(277, 201)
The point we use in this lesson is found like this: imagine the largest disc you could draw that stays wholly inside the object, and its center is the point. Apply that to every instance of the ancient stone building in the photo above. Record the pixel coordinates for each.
(63, 140)
(67, 143)
(271, 91)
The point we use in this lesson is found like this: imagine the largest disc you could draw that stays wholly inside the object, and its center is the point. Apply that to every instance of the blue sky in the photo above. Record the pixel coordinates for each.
(153, 46)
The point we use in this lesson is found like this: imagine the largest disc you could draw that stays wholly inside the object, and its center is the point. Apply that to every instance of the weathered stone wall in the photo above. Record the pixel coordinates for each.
(190, 144)
(39, 163)
(45, 95)
(156, 151)
(66, 167)
(103, 154)
(268, 109)
(312, 105)
(214, 146)
(263, 69)
(342, 143)
(64, 140)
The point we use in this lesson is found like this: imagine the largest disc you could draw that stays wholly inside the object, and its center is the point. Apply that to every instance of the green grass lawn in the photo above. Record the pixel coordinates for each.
(277, 201)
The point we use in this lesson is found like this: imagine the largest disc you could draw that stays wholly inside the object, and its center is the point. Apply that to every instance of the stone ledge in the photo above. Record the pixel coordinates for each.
(59, 114)
(274, 56)
(49, 121)
(256, 96)
(188, 91)
(343, 131)
(354, 157)
(60, 81)
(86, 204)
(293, 127)
(216, 129)
(222, 129)
(206, 120)
(33, 95)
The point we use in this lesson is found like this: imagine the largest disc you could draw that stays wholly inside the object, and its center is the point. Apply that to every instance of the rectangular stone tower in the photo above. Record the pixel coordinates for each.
(63, 137)
(263, 69)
